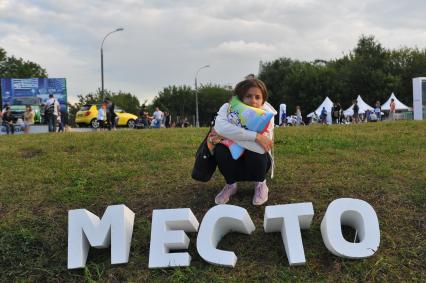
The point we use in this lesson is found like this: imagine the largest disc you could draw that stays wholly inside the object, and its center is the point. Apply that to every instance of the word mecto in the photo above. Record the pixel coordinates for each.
(169, 227)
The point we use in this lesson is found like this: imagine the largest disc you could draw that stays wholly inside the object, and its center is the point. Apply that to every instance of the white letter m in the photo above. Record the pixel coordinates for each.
(86, 229)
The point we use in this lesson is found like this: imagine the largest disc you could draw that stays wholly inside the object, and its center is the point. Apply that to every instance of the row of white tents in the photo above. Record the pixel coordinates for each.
(363, 107)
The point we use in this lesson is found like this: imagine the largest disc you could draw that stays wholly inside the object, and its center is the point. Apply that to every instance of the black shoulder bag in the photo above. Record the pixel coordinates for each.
(205, 163)
(50, 109)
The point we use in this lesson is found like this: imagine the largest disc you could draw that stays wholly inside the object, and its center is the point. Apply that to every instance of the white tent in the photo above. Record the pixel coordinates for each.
(362, 107)
(283, 110)
(398, 104)
(328, 104)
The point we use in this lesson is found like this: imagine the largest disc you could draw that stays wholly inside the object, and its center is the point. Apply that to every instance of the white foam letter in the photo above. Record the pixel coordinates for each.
(217, 222)
(359, 215)
(163, 239)
(84, 228)
(289, 219)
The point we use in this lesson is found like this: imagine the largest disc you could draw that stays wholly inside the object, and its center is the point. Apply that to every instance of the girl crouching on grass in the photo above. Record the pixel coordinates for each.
(257, 157)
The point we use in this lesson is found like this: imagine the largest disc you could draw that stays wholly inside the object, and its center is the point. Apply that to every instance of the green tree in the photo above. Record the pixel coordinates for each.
(210, 99)
(406, 64)
(12, 67)
(179, 101)
(126, 101)
(369, 70)
(295, 83)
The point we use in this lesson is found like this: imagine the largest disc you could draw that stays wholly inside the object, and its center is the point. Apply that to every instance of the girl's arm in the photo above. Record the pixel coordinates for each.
(270, 130)
(226, 129)
(268, 141)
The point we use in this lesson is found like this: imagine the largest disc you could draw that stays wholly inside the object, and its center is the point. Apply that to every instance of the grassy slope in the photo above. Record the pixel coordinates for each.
(43, 176)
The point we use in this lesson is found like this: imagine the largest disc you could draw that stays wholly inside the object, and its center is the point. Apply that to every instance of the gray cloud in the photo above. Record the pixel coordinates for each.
(164, 42)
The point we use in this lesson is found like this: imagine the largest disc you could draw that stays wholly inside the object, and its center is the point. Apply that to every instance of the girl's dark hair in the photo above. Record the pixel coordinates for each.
(242, 87)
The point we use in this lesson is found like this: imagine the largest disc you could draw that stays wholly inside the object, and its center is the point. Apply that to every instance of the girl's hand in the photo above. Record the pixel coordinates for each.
(264, 142)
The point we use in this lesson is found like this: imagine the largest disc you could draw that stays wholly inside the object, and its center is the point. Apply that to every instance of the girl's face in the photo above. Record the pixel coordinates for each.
(253, 97)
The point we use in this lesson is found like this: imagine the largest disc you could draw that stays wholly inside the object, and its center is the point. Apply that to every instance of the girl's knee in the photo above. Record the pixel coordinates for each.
(221, 152)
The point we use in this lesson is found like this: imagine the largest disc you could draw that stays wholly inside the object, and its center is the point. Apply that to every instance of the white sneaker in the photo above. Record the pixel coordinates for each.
(226, 193)
(260, 193)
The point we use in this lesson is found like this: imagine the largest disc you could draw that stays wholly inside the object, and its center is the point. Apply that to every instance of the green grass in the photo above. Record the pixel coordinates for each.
(43, 176)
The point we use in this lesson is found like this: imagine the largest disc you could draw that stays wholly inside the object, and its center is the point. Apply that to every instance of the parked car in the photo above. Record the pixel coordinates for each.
(19, 104)
(88, 114)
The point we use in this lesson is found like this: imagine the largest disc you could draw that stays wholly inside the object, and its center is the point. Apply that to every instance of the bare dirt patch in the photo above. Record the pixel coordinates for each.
(30, 152)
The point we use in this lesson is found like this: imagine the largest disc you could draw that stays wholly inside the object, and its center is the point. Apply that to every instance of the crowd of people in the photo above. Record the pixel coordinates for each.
(158, 119)
(338, 116)
(55, 118)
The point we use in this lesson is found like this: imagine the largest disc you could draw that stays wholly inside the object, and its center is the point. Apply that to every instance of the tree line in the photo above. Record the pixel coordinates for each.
(369, 70)
(12, 67)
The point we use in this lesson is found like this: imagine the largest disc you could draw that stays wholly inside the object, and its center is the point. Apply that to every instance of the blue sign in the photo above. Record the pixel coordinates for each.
(41, 88)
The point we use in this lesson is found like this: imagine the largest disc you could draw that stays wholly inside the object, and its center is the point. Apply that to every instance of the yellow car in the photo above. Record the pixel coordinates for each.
(88, 114)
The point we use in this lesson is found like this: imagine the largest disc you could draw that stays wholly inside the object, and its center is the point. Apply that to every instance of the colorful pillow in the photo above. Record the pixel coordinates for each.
(250, 118)
(247, 117)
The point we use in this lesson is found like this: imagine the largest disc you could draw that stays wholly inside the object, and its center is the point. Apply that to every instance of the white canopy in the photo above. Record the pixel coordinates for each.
(398, 104)
(283, 109)
(328, 104)
(362, 107)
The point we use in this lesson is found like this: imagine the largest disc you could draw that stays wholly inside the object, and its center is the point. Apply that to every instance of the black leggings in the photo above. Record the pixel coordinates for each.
(251, 166)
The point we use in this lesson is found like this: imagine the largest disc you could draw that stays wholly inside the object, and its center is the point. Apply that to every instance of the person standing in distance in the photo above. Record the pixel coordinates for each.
(51, 110)
(392, 110)
(158, 116)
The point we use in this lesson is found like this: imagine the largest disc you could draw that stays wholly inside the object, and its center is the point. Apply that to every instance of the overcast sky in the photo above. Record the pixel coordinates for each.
(164, 42)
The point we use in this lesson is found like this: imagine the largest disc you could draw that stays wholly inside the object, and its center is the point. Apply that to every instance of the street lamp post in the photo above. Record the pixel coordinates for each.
(102, 60)
(197, 121)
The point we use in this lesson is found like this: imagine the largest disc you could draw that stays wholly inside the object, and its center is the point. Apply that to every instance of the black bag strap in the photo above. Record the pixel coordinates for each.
(52, 105)
(212, 122)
